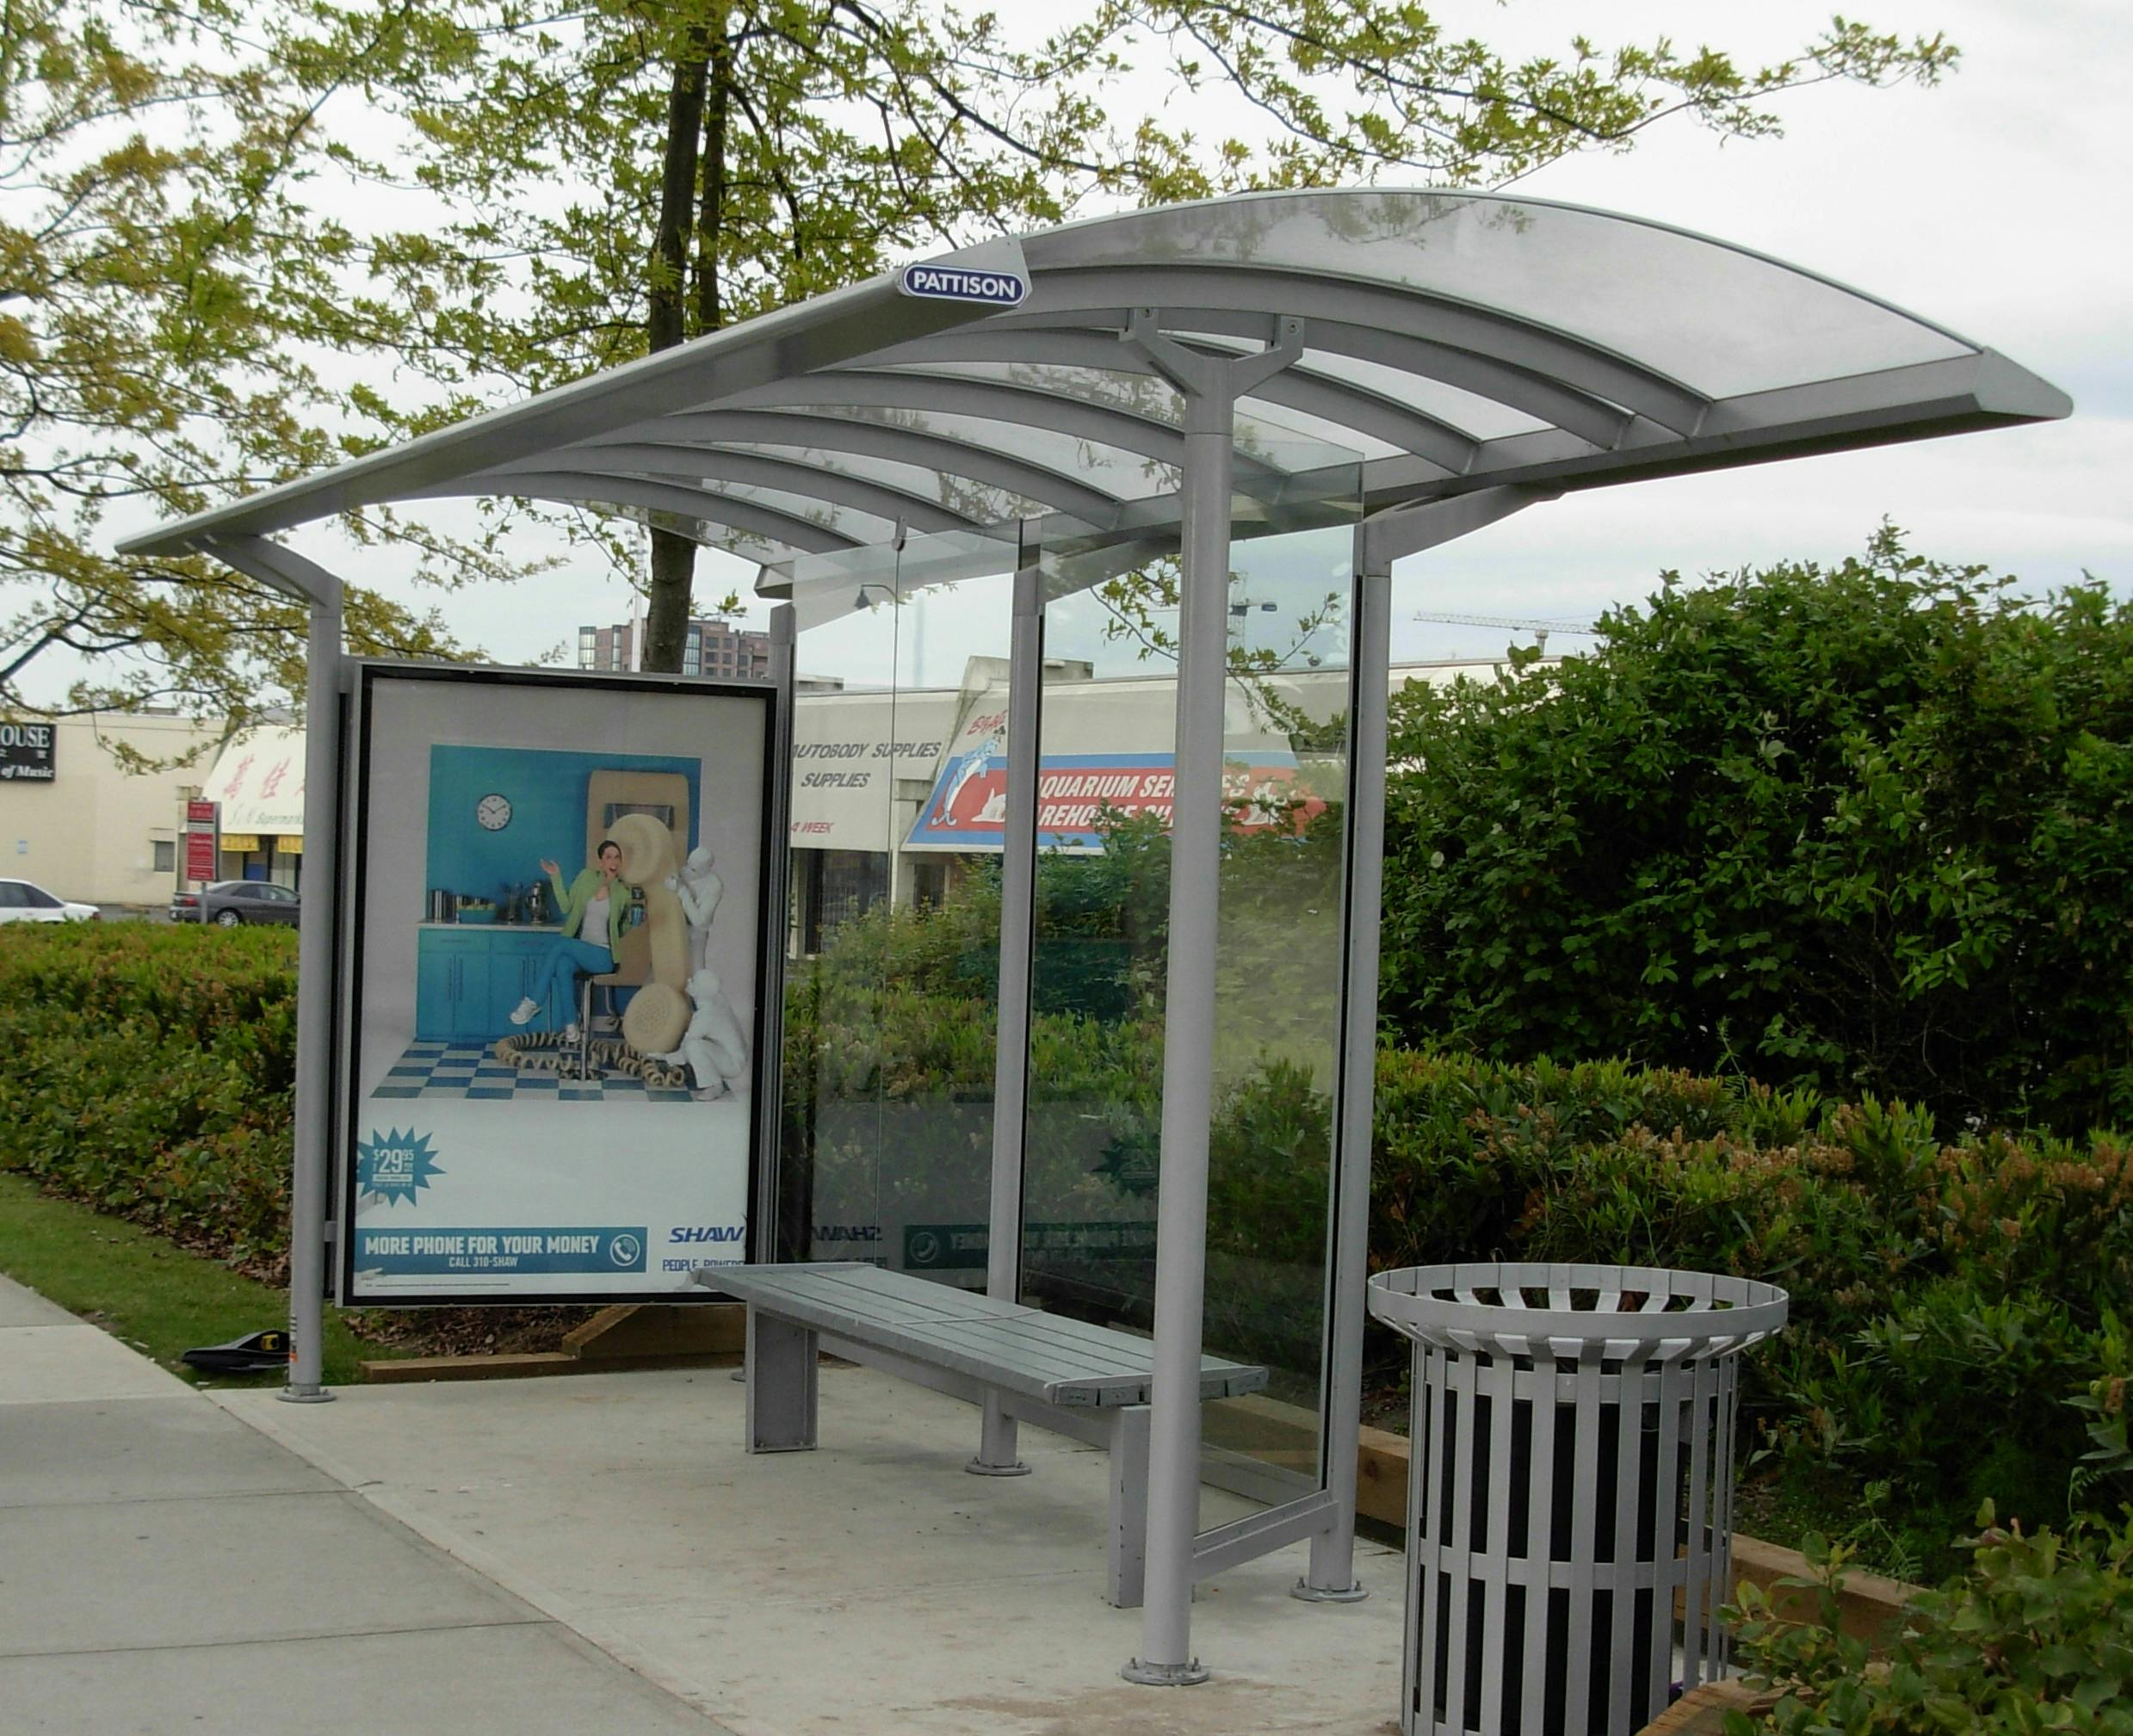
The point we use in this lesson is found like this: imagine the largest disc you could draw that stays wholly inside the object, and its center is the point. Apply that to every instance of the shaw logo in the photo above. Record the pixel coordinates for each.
(708, 1232)
(954, 283)
(848, 1232)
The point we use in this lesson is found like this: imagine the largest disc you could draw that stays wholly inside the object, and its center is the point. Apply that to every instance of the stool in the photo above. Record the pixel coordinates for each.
(611, 982)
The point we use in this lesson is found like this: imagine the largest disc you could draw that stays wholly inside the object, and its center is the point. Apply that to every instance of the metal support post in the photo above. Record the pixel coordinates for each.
(292, 575)
(777, 891)
(314, 1008)
(1210, 387)
(1010, 1073)
(1331, 1577)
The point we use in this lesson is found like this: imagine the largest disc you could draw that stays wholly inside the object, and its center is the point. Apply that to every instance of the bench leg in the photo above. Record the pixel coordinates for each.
(996, 1444)
(780, 1369)
(1127, 1550)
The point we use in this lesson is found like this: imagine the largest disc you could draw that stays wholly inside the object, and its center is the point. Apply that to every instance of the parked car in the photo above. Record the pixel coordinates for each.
(228, 903)
(22, 901)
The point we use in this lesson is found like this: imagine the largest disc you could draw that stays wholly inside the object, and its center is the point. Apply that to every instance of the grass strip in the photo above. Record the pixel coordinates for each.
(147, 1292)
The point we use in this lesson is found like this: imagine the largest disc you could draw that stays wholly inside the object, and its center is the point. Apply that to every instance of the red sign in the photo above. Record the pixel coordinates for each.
(203, 822)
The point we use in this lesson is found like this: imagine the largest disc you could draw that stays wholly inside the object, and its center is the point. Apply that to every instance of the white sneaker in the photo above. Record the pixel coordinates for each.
(571, 1034)
(524, 1011)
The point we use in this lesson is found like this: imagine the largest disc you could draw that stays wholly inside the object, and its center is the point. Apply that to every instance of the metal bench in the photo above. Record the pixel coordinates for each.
(1089, 1381)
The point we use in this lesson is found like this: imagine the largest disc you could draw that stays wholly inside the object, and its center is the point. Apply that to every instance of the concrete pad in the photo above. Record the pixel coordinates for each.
(140, 1449)
(57, 1364)
(20, 1306)
(871, 1585)
(210, 1572)
(515, 1681)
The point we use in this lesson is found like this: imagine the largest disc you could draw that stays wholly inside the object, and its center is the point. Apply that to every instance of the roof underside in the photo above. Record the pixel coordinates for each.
(1452, 342)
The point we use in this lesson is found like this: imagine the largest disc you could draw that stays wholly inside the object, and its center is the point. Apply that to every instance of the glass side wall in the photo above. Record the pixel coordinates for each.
(892, 968)
(1092, 1151)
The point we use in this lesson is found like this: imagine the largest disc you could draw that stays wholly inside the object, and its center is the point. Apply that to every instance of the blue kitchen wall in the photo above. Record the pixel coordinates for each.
(546, 791)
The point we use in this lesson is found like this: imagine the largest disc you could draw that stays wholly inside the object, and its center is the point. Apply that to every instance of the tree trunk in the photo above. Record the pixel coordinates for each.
(673, 554)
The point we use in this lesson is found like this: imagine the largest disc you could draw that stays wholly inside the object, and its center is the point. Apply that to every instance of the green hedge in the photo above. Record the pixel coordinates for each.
(1864, 827)
(1951, 1301)
(148, 1072)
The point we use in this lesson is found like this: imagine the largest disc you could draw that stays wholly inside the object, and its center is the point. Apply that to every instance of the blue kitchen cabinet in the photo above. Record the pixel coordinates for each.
(468, 979)
(451, 985)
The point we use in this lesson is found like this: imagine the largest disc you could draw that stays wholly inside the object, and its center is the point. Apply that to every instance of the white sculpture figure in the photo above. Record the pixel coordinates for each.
(700, 891)
(715, 1049)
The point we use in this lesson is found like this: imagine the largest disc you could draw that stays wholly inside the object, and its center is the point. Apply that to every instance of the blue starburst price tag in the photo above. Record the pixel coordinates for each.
(394, 1166)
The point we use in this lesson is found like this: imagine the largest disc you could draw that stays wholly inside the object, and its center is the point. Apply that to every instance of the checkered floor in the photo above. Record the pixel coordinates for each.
(472, 1071)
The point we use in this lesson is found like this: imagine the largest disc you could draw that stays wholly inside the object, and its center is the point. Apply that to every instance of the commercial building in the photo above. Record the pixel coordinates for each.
(75, 818)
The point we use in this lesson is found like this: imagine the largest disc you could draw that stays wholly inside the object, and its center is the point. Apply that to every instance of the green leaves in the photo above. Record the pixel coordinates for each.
(1851, 827)
(2037, 1635)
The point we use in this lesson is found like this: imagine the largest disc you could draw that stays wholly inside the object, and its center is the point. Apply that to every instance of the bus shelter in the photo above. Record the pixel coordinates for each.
(1199, 437)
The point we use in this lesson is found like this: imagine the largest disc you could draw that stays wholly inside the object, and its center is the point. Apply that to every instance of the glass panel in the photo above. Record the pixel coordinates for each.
(1125, 387)
(1093, 1158)
(1468, 411)
(983, 501)
(890, 1006)
(809, 509)
(1718, 319)
(1129, 475)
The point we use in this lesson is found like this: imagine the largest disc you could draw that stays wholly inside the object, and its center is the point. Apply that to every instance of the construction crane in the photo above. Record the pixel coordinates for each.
(1539, 630)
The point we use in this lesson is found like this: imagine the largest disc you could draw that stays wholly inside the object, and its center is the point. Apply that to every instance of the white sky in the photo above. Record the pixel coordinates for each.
(1995, 204)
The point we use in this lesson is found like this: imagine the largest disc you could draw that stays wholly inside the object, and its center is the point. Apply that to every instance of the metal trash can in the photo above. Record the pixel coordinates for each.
(1570, 1489)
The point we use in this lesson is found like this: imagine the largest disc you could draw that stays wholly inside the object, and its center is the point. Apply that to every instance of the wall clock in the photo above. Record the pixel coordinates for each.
(494, 812)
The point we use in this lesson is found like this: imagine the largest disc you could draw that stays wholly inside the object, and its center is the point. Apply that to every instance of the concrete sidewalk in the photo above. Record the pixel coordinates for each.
(164, 1566)
(596, 1556)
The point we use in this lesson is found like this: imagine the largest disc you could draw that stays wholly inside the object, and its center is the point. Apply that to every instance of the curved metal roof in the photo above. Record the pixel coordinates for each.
(1452, 341)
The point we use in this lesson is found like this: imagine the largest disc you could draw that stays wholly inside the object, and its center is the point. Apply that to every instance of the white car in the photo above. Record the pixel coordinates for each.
(21, 901)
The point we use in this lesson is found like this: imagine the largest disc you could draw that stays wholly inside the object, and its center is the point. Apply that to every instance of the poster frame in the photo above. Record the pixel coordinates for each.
(350, 886)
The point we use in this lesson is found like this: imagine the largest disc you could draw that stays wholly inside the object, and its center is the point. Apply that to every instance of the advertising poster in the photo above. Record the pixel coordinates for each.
(554, 927)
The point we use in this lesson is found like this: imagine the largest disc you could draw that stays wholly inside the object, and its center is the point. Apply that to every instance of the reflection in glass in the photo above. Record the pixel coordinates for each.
(890, 1012)
(1092, 1157)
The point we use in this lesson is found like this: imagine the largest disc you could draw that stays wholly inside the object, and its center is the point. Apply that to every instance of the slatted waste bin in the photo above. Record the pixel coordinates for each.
(1570, 1490)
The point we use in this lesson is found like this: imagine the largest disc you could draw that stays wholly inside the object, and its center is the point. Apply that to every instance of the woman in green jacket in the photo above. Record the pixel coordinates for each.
(594, 907)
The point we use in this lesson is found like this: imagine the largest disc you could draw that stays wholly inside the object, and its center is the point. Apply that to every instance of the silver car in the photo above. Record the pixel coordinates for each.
(228, 903)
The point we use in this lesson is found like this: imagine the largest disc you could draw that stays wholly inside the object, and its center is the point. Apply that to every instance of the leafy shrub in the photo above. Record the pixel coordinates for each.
(149, 1073)
(1862, 829)
(2037, 1635)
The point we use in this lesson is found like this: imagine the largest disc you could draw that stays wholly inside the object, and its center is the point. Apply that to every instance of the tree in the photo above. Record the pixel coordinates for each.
(158, 269)
(726, 156)
(1861, 827)
(241, 239)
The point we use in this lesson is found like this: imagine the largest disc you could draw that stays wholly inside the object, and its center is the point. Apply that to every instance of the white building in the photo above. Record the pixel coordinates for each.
(93, 829)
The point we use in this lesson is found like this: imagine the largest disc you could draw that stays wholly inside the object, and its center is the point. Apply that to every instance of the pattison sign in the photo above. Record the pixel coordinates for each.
(959, 283)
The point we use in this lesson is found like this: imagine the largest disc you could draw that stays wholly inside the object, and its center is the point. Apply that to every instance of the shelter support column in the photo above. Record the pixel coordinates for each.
(777, 879)
(1011, 1071)
(311, 1180)
(1210, 387)
(1332, 1576)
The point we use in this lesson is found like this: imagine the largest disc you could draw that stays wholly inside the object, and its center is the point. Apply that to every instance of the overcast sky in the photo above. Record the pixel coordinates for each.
(1995, 204)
